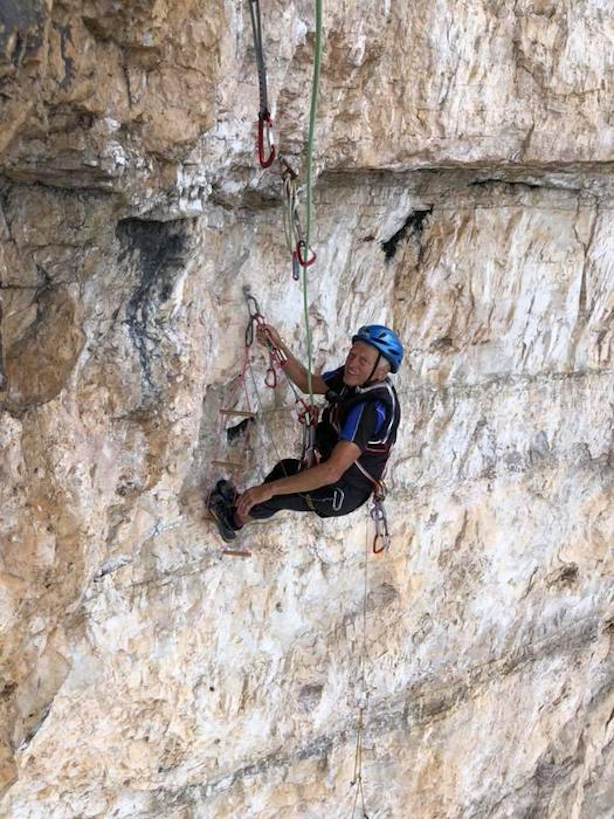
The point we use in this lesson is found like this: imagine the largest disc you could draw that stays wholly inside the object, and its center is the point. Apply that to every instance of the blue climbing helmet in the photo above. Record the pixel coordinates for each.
(385, 340)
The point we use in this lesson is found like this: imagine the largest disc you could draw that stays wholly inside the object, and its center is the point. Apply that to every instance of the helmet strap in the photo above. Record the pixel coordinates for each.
(375, 366)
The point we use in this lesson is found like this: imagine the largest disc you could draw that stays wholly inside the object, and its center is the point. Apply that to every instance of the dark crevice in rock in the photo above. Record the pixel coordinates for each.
(238, 430)
(23, 19)
(484, 183)
(160, 249)
(36, 727)
(93, 26)
(112, 565)
(7, 690)
(69, 71)
(513, 381)
(413, 225)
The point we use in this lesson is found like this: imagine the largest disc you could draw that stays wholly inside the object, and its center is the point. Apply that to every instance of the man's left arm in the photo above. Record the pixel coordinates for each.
(342, 457)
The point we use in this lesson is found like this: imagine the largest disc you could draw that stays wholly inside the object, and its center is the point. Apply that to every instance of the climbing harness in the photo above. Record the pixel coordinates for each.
(381, 540)
(338, 498)
(265, 123)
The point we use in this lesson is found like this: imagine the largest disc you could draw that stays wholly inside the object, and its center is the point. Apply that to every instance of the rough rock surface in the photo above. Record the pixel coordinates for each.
(464, 194)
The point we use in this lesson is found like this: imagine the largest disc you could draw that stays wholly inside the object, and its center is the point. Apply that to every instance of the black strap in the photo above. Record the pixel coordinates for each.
(375, 366)
(254, 10)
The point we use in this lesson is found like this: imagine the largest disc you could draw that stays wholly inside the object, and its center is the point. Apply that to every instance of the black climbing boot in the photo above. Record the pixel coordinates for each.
(221, 512)
(227, 490)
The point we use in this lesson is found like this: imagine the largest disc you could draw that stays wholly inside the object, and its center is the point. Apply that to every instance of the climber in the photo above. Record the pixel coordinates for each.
(354, 438)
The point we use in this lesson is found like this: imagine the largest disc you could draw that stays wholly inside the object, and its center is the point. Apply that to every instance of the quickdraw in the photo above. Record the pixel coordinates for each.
(295, 238)
(265, 123)
(276, 358)
(293, 230)
(381, 539)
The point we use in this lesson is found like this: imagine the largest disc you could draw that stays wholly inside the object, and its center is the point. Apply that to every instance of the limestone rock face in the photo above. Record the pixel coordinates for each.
(463, 195)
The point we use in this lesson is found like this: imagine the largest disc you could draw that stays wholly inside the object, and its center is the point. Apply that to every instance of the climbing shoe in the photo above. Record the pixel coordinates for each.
(227, 490)
(221, 512)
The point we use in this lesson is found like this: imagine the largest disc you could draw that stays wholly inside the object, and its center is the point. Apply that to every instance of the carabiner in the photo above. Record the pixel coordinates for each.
(382, 535)
(255, 319)
(270, 378)
(287, 171)
(384, 541)
(265, 119)
(307, 413)
(302, 246)
(338, 499)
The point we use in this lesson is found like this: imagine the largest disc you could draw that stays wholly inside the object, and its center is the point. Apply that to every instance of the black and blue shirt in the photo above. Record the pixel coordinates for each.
(367, 416)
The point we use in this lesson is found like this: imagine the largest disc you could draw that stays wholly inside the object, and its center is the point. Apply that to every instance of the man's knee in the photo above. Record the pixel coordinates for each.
(283, 469)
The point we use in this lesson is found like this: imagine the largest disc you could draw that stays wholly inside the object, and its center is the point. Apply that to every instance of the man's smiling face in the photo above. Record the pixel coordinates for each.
(359, 364)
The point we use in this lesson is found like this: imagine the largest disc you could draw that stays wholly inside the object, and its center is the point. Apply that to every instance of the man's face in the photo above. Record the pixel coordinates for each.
(359, 363)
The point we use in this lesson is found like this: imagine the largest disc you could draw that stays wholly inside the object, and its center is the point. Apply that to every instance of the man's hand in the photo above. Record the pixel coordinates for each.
(249, 498)
(266, 334)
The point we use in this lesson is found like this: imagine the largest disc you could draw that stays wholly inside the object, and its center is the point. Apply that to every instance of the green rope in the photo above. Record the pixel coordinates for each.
(312, 124)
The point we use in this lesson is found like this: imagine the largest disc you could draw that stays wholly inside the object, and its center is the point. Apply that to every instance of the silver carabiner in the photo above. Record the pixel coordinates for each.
(338, 498)
(378, 515)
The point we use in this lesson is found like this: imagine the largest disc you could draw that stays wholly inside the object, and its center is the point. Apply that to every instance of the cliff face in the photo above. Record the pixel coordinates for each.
(464, 195)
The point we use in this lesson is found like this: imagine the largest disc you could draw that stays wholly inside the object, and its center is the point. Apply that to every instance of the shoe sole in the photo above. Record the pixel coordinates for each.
(221, 528)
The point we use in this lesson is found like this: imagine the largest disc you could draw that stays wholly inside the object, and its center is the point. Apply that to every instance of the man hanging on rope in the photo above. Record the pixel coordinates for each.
(354, 438)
